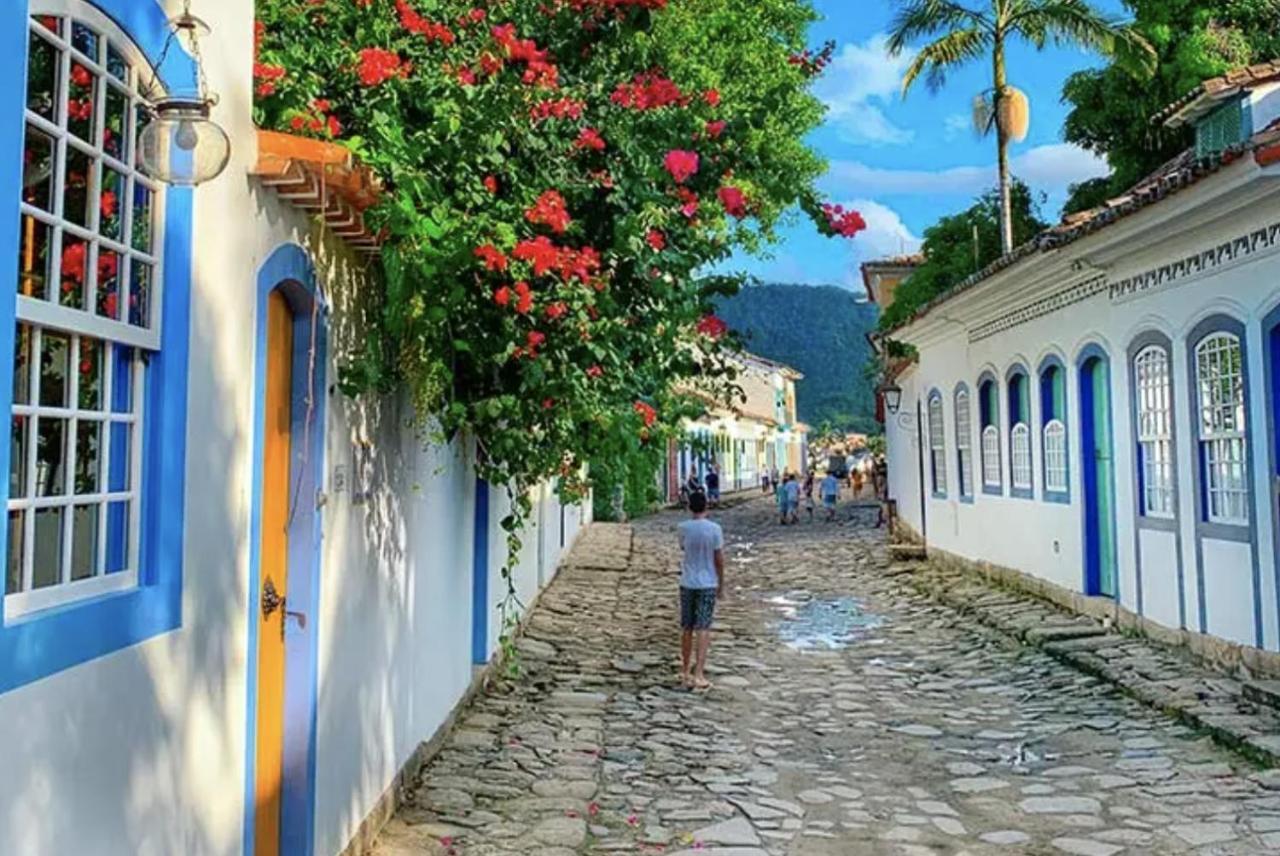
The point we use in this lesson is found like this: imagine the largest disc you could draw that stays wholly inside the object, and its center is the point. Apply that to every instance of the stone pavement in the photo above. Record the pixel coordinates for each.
(852, 714)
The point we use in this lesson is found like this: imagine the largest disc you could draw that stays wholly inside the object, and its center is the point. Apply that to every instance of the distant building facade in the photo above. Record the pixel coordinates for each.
(757, 435)
(882, 277)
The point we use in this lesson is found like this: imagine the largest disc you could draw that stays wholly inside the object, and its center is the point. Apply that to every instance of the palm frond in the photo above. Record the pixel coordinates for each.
(937, 59)
(923, 18)
(1075, 22)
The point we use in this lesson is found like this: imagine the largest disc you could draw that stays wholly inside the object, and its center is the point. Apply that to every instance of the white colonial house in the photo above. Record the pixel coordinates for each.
(1099, 409)
(235, 602)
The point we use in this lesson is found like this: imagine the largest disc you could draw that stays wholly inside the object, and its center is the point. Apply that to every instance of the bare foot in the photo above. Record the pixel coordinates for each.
(686, 680)
(701, 685)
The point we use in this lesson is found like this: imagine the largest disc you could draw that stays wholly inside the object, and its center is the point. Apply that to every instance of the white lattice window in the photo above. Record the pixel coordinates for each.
(1020, 456)
(964, 443)
(1220, 381)
(938, 445)
(88, 302)
(1055, 456)
(991, 456)
(1155, 430)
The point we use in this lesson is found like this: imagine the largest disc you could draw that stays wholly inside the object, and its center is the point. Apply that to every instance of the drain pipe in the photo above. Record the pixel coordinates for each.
(919, 433)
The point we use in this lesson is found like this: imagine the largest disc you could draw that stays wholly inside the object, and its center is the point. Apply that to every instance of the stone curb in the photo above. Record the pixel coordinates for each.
(1203, 699)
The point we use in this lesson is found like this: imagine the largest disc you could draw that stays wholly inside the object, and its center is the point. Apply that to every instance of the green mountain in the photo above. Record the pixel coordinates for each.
(821, 331)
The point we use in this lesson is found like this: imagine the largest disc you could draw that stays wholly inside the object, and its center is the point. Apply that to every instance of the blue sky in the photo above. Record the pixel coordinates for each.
(905, 162)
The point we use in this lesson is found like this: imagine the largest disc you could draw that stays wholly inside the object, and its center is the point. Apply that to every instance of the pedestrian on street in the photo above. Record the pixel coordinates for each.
(765, 487)
(701, 582)
(830, 494)
(792, 488)
(713, 486)
(773, 479)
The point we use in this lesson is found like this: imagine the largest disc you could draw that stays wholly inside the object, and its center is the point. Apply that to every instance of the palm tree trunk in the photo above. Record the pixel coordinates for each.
(1002, 144)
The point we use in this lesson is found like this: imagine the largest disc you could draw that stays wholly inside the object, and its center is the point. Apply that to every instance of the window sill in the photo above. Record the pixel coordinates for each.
(1238, 532)
(1022, 492)
(32, 605)
(1158, 524)
(993, 490)
(1057, 497)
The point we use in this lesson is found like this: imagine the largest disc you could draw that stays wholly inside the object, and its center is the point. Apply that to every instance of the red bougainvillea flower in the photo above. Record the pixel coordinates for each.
(490, 64)
(550, 211)
(108, 204)
(524, 298)
(502, 296)
(590, 138)
(466, 76)
(493, 258)
(539, 69)
(80, 76)
(847, 224)
(557, 310)
(562, 108)
(491, 184)
(298, 122)
(335, 127)
(712, 97)
(535, 339)
(267, 77)
(715, 129)
(688, 202)
(734, 201)
(73, 261)
(648, 92)
(656, 239)
(710, 325)
(682, 164)
(540, 251)
(647, 414)
(415, 23)
(580, 264)
(378, 66)
(595, 371)
(548, 403)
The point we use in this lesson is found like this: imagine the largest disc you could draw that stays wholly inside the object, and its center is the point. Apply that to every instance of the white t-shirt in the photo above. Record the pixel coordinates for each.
(700, 539)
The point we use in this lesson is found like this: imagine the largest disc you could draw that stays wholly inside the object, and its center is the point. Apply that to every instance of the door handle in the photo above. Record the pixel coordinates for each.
(300, 617)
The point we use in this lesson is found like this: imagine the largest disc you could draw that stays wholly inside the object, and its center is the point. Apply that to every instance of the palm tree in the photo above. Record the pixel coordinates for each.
(964, 34)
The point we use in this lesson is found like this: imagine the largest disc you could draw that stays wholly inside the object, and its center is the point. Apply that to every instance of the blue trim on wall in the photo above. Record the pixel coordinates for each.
(1141, 519)
(1271, 361)
(50, 641)
(289, 268)
(989, 388)
(1205, 530)
(1018, 385)
(480, 575)
(1089, 474)
(1048, 412)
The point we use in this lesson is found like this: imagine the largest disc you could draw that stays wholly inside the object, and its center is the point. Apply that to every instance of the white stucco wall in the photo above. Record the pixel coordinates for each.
(1046, 539)
(143, 752)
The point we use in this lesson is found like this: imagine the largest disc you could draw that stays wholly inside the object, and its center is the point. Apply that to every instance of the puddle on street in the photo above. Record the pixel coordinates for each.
(831, 623)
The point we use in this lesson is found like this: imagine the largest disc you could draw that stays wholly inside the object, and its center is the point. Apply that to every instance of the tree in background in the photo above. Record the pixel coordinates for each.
(951, 253)
(965, 34)
(1194, 40)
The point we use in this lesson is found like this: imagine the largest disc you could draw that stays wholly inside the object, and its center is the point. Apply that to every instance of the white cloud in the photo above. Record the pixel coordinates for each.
(956, 124)
(1048, 168)
(885, 235)
(860, 81)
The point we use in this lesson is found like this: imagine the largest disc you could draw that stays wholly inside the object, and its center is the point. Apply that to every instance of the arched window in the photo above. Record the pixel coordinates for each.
(1153, 387)
(964, 443)
(989, 415)
(89, 274)
(1020, 477)
(937, 446)
(1219, 362)
(1053, 431)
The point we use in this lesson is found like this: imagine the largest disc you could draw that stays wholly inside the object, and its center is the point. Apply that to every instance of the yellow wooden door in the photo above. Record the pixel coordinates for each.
(273, 577)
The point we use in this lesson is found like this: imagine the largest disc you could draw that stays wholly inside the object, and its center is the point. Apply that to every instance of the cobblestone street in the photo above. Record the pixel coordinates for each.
(851, 715)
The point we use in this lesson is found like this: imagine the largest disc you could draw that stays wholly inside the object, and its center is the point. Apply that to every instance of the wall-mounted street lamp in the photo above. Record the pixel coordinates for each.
(892, 396)
(182, 145)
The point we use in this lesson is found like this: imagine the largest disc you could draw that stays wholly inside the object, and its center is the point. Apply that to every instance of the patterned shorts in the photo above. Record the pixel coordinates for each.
(697, 608)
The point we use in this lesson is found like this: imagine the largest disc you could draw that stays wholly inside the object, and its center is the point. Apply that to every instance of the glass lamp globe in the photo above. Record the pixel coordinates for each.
(182, 145)
(892, 397)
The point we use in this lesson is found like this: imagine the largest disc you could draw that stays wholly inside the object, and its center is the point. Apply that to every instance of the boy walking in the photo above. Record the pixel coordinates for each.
(701, 582)
(830, 493)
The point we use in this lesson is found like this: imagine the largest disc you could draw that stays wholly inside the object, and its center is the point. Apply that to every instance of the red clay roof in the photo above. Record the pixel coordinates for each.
(1204, 97)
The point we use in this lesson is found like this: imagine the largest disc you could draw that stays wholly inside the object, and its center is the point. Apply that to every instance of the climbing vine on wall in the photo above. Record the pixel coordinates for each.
(554, 174)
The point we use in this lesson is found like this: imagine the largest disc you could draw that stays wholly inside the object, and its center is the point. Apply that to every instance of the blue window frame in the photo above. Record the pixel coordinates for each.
(1054, 444)
(101, 39)
(1021, 469)
(989, 420)
(963, 406)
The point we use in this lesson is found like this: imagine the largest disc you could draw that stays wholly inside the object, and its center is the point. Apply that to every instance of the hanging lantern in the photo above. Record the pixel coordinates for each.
(181, 145)
(892, 397)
